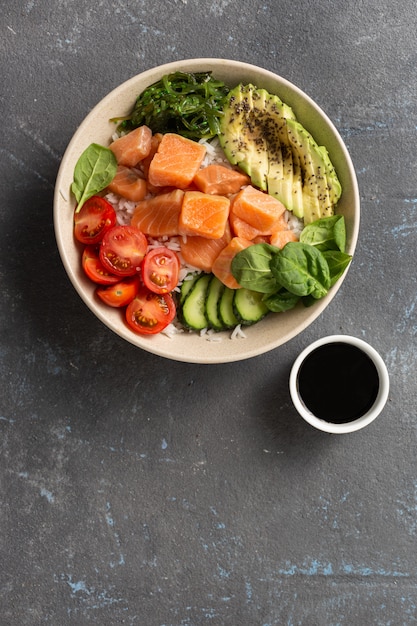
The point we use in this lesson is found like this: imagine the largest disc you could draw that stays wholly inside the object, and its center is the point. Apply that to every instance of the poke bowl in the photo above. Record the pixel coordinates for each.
(203, 345)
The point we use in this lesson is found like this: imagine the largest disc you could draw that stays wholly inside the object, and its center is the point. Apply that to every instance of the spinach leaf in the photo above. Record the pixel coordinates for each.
(337, 262)
(94, 170)
(326, 233)
(301, 269)
(252, 268)
(281, 301)
(308, 301)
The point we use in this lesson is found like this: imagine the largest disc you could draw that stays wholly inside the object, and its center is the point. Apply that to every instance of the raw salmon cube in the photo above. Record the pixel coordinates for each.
(220, 180)
(258, 209)
(201, 252)
(176, 162)
(128, 184)
(223, 263)
(204, 215)
(132, 148)
(282, 237)
(159, 216)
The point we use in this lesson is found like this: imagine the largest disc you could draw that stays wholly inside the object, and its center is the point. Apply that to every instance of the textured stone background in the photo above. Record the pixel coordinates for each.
(144, 492)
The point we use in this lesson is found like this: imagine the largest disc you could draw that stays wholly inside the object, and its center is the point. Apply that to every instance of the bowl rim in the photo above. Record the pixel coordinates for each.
(149, 76)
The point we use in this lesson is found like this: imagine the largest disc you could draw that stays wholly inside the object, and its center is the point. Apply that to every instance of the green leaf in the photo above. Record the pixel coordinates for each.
(337, 262)
(251, 268)
(340, 233)
(281, 301)
(326, 233)
(302, 270)
(308, 301)
(94, 170)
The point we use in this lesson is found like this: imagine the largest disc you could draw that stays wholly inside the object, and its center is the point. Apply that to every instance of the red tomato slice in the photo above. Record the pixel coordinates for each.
(95, 217)
(150, 312)
(122, 250)
(121, 293)
(160, 269)
(94, 268)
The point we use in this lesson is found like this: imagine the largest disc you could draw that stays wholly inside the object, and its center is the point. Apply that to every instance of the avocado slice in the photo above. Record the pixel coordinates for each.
(321, 187)
(239, 136)
(250, 132)
(261, 134)
(287, 187)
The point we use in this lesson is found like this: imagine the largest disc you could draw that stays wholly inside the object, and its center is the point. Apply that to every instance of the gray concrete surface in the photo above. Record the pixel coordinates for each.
(139, 491)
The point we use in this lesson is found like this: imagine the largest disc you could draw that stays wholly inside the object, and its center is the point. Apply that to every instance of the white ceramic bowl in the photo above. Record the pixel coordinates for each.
(374, 410)
(274, 330)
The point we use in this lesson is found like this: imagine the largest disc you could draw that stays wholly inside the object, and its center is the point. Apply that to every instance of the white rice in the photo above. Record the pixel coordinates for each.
(294, 223)
(210, 335)
(171, 330)
(238, 333)
(214, 153)
(124, 208)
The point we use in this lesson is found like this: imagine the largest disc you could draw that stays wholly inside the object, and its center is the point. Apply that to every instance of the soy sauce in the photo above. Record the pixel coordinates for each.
(338, 382)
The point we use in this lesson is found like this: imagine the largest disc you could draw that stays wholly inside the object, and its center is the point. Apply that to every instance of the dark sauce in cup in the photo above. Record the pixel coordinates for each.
(338, 382)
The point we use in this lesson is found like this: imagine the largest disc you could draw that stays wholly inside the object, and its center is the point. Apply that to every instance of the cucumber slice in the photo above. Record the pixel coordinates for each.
(214, 293)
(248, 306)
(193, 310)
(226, 313)
(186, 285)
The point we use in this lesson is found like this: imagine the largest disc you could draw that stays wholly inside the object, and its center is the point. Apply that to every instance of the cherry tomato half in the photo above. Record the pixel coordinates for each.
(122, 250)
(94, 268)
(160, 269)
(95, 217)
(121, 293)
(150, 312)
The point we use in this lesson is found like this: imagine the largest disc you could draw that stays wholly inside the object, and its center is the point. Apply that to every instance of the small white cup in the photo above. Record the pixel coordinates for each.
(356, 424)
